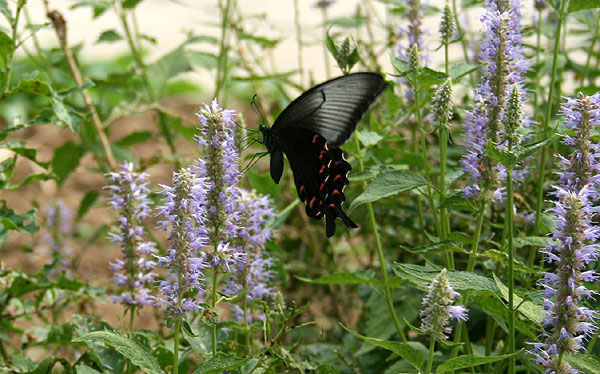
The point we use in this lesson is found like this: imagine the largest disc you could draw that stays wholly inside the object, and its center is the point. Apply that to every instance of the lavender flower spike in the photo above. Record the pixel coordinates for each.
(574, 243)
(133, 274)
(58, 227)
(505, 65)
(182, 288)
(438, 309)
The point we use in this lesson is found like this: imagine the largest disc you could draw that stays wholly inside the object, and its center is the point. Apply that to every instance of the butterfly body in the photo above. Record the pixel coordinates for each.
(309, 132)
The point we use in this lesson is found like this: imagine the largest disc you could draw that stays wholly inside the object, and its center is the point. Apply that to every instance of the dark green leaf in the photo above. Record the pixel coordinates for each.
(130, 4)
(216, 365)
(402, 67)
(130, 348)
(502, 257)
(87, 202)
(63, 115)
(459, 280)
(4, 9)
(364, 277)
(20, 148)
(84, 369)
(9, 220)
(534, 241)
(134, 138)
(457, 71)
(403, 350)
(109, 36)
(7, 49)
(45, 367)
(467, 361)
(439, 247)
(576, 5)
(65, 160)
(459, 202)
(388, 184)
(33, 86)
(368, 138)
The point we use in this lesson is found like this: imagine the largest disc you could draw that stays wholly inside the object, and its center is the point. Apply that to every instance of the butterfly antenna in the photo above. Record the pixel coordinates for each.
(255, 104)
(254, 160)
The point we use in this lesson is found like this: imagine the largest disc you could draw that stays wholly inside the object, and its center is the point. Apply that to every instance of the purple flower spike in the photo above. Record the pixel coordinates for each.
(133, 275)
(438, 309)
(505, 65)
(574, 243)
(58, 232)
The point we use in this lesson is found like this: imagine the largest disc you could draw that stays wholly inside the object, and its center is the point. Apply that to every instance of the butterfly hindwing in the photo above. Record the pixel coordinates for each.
(332, 109)
(320, 175)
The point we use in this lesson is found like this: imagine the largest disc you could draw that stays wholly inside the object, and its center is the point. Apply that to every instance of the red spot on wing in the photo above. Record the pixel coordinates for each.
(322, 187)
(322, 154)
(336, 192)
(337, 177)
(302, 190)
(312, 202)
(323, 168)
(315, 138)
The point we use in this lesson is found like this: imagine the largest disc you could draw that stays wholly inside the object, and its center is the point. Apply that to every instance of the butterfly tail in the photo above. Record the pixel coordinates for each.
(331, 214)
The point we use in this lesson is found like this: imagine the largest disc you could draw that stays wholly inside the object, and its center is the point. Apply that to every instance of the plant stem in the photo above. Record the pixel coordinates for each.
(14, 25)
(431, 352)
(546, 122)
(214, 306)
(463, 41)
(223, 49)
(425, 157)
(470, 268)
(511, 280)
(131, 326)
(382, 264)
(176, 346)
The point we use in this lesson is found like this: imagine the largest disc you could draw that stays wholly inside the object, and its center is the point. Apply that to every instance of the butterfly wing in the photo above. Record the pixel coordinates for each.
(319, 175)
(333, 108)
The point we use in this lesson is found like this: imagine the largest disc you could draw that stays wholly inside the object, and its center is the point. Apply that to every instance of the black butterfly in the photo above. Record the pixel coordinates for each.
(310, 130)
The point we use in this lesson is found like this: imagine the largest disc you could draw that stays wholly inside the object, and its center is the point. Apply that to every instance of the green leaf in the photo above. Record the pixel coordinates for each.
(439, 247)
(66, 159)
(401, 66)
(511, 158)
(167, 67)
(429, 77)
(388, 184)
(33, 86)
(533, 312)
(459, 280)
(502, 257)
(4, 9)
(19, 148)
(363, 277)
(404, 350)
(576, 5)
(586, 363)
(45, 367)
(130, 348)
(9, 220)
(368, 138)
(7, 49)
(84, 369)
(203, 59)
(459, 202)
(467, 361)
(457, 71)
(87, 202)
(216, 365)
(63, 115)
(109, 36)
(534, 241)
(134, 138)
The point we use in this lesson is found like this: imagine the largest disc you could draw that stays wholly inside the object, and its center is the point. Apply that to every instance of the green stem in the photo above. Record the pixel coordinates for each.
(545, 124)
(431, 352)
(470, 268)
(590, 53)
(444, 219)
(223, 49)
(382, 264)
(463, 41)
(511, 280)
(213, 304)
(20, 5)
(131, 326)
(176, 346)
(425, 158)
(538, 47)
(490, 325)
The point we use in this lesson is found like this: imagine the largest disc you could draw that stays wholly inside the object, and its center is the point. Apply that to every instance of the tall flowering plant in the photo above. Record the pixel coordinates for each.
(58, 232)
(574, 245)
(133, 274)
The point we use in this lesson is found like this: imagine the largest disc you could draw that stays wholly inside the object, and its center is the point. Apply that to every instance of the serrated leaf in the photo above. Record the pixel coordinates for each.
(459, 202)
(368, 138)
(63, 115)
(19, 147)
(130, 348)
(216, 365)
(404, 350)
(401, 66)
(66, 159)
(533, 312)
(33, 86)
(459, 280)
(87, 202)
(534, 241)
(365, 277)
(388, 184)
(511, 158)
(9, 220)
(502, 257)
(587, 363)
(7, 49)
(84, 369)
(467, 361)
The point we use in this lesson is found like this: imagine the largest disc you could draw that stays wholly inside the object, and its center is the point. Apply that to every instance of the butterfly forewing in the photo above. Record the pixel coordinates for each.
(332, 109)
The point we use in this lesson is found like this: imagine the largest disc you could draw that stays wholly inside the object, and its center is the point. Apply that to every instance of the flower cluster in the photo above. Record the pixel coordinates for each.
(414, 36)
(133, 274)
(505, 65)
(182, 288)
(438, 309)
(252, 278)
(58, 227)
(574, 243)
